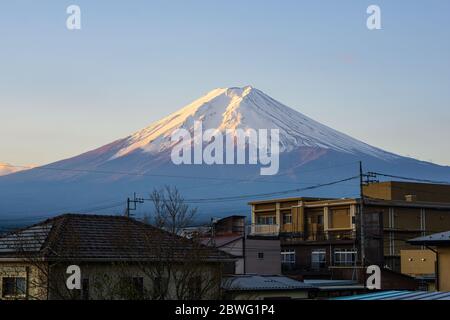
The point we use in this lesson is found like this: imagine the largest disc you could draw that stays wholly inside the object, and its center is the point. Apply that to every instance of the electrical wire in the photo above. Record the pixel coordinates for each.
(408, 178)
(111, 172)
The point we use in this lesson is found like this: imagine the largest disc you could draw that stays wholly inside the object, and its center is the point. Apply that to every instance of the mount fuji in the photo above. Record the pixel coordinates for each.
(101, 180)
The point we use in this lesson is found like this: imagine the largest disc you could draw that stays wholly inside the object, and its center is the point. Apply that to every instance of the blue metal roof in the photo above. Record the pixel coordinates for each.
(399, 295)
(441, 238)
(262, 282)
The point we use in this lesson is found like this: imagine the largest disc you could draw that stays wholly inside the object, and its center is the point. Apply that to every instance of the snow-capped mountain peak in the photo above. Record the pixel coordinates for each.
(245, 108)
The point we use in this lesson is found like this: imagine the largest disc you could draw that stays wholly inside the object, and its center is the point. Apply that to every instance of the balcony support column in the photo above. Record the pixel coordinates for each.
(278, 216)
(352, 217)
(253, 215)
(325, 221)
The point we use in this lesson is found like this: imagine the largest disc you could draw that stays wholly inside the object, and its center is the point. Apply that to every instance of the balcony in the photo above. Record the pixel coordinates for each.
(331, 235)
(265, 229)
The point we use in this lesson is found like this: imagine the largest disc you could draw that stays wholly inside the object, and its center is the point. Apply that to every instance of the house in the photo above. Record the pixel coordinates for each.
(439, 244)
(261, 287)
(253, 254)
(336, 238)
(118, 258)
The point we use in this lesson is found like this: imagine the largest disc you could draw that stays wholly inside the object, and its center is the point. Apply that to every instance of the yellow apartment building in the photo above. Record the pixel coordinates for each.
(319, 234)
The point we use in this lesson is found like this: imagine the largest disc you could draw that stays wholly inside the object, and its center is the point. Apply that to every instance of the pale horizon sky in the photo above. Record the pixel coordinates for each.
(66, 92)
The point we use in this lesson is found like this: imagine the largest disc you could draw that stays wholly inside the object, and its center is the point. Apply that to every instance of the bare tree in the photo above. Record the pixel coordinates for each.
(170, 210)
(183, 269)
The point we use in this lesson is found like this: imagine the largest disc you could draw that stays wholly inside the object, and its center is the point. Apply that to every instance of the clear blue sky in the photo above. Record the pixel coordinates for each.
(65, 92)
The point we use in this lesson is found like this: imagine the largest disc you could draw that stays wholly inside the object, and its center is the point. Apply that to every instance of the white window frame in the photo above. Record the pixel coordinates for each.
(344, 255)
(291, 256)
(320, 253)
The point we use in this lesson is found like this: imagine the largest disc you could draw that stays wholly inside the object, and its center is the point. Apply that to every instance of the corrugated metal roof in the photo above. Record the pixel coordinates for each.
(399, 295)
(260, 282)
(326, 282)
(329, 285)
(436, 238)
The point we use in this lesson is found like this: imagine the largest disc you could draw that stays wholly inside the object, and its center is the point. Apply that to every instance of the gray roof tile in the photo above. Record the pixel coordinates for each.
(99, 237)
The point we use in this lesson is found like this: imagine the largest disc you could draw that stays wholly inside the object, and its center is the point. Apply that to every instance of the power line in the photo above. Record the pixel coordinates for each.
(203, 200)
(249, 180)
(408, 178)
(259, 195)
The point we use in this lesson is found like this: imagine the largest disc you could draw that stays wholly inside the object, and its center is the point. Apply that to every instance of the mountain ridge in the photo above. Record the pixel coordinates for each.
(244, 108)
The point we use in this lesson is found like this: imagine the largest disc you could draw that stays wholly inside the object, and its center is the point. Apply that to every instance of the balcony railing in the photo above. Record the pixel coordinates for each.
(265, 229)
(330, 235)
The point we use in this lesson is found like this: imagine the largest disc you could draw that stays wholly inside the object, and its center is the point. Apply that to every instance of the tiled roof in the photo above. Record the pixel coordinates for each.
(102, 238)
(258, 282)
(28, 240)
(399, 295)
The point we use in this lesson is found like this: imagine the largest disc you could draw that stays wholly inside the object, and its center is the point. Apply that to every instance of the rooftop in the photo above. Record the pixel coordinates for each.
(436, 239)
(288, 200)
(261, 282)
(100, 238)
(399, 295)
(325, 284)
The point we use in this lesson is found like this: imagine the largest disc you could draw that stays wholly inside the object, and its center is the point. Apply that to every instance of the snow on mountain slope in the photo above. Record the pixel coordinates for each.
(246, 108)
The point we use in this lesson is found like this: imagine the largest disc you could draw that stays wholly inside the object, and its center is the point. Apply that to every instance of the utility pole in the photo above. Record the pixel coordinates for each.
(244, 240)
(134, 202)
(361, 214)
(213, 231)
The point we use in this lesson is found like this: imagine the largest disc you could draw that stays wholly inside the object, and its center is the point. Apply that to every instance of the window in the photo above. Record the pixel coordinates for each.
(13, 286)
(261, 255)
(344, 257)
(266, 220)
(287, 218)
(85, 289)
(288, 256)
(318, 259)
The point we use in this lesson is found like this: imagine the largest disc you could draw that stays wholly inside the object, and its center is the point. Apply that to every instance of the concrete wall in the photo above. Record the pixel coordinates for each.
(235, 248)
(398, 190)
(444, 269)
(418, 262)
(270, 264)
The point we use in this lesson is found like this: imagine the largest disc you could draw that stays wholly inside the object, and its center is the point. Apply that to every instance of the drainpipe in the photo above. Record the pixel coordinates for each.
(436, 267)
